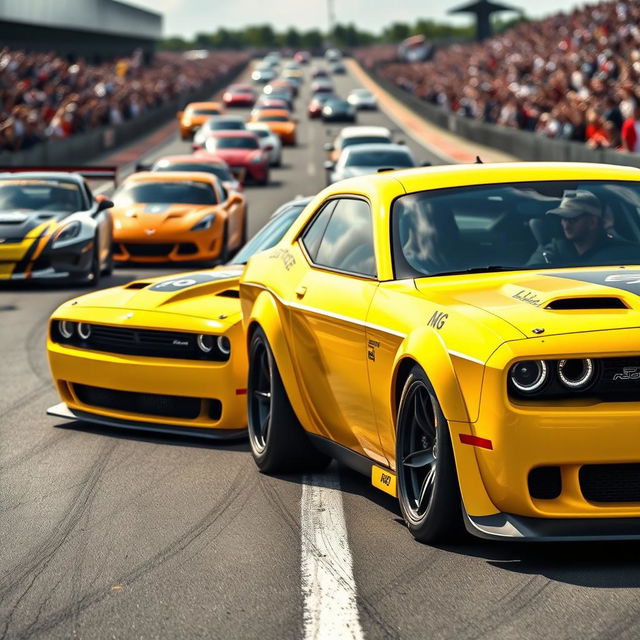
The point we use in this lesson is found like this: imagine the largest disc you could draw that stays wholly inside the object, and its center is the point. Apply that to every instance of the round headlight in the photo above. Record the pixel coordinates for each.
(576, 373)
(224, 344)
(205, 343)
(84, 330)
(529, 376)
(66, 328)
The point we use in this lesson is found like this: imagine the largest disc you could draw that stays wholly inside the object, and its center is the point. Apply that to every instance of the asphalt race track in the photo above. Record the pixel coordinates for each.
(107, 534)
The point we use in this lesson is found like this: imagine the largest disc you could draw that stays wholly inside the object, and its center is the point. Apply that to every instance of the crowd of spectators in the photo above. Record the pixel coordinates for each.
(44, 96)
(572, 76)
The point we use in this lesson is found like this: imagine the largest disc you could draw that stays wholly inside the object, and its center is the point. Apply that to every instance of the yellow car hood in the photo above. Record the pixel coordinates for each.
(553, 300)
(207, 294)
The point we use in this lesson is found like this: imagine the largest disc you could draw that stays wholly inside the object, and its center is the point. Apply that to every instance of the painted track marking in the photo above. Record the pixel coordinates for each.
(330, 609)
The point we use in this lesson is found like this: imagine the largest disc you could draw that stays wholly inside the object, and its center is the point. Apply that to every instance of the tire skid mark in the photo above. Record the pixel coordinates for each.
(240, 487)
(67, 523)
(51, 440)
(43, 557)
(274, 498)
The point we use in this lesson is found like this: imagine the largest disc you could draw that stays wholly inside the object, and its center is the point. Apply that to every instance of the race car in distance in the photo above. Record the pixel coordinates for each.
(268, 103)
(195, 114)
(322, 85)
(317, 102)
(216, 123)
(263, 74)
(171, 216)
(200, 161)
(466, 336)
(269, 141)
(52, 227)
(361, 159)
(362, 99)
(165, 353)
(350, 136)
(302, 57)
(239, 95)
(241, 150)
(338, 110)
(280, 122)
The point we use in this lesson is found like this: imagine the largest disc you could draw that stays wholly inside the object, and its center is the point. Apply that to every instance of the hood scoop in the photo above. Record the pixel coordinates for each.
(585, 303)
(137, 285)
(230, 293)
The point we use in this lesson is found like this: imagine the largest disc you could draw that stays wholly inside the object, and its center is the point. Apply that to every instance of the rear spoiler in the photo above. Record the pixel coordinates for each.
(88, 172)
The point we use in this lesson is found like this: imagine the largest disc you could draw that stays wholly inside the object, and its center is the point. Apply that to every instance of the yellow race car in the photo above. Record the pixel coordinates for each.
(165, 353)
(467, 336)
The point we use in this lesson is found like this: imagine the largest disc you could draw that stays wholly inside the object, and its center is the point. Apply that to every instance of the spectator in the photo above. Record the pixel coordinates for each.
(631, 131)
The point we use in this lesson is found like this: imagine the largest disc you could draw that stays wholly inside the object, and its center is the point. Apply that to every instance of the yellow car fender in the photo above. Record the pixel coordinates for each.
(266, 315)
(425, 347)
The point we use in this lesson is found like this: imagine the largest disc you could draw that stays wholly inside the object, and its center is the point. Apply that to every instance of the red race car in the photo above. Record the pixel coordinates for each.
(241, 151)
(239, 95)
(317, 102)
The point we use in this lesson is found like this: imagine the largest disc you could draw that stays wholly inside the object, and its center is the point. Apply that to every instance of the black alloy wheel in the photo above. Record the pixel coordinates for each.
(427, 481)
(278, 442)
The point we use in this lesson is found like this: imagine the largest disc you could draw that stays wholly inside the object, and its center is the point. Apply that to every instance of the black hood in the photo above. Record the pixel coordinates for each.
(17, 224)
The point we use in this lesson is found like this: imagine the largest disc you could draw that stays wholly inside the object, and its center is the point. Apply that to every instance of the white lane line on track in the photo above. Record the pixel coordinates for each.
(330, 609)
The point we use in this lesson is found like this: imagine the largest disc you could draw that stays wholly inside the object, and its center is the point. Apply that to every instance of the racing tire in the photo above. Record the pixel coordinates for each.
(278, 442)
(93, 277)
(428, 489)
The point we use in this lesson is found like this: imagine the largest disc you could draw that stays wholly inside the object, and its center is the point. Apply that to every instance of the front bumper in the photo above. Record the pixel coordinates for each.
(36, 259)
(499, 494)
(170, 245)
(217, 390)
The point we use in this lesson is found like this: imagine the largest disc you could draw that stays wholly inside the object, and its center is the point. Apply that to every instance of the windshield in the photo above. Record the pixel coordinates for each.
(39, 195)
(261, 133)
(217, 170)
(379, 159)
(532, 225)
(273, 119)
(182, 192)
(270, 234)
(218, 125)
(205, 112)
(235, 143)
(348, 142)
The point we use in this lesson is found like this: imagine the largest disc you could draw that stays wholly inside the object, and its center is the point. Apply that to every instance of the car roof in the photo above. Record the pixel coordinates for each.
(201, 157)
(234, 133)
(377, 146)
(200, 105)
(458, 175)
(274, 112)
(42, 175)
(171, 176)
(356, 132)
(263, 126)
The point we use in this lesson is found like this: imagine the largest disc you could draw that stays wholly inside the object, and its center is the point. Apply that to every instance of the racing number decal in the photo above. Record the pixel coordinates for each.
(176, 284)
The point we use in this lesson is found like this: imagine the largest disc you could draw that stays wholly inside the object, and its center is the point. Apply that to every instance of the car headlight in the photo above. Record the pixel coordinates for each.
(84, 330)
(66, 328)
(214, 347)
(68, 232)
(529, 376)
(576, 373)
(224, 344)
(205, 223)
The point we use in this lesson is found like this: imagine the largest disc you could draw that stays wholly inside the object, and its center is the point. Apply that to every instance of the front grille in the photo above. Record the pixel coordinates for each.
(152, 404)
(187, 248)
(545, 483)
(149, 250)
(620, 376)
(141, 342)
(610, 482)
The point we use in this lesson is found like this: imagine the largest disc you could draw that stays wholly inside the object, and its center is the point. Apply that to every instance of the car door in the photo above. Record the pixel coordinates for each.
(329, 305)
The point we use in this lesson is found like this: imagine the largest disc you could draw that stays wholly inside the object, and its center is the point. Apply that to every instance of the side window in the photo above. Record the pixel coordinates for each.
(347, 244)
(314, 232)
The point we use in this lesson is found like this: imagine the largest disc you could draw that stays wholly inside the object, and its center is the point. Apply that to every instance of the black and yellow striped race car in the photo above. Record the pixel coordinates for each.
(52, 227)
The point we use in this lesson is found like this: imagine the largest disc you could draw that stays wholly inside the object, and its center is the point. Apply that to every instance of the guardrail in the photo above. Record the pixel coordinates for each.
(521, 144)
(83, 147)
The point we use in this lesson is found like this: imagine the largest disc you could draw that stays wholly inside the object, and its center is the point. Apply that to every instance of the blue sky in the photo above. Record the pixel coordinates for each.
(186, 17)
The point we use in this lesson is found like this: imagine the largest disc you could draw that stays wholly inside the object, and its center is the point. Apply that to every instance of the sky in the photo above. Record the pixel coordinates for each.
(187, 17)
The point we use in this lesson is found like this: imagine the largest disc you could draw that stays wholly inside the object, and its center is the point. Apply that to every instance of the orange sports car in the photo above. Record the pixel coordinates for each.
(171, 216)
(195, 114)
(280, 121)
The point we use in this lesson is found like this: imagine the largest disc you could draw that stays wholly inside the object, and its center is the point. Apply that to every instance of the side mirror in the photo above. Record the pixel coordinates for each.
(329, 166)
(400, 142)
(179, 115)
(328, 146)
(104, 204)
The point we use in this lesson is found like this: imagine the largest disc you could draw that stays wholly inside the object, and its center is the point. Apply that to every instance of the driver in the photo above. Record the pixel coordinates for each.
(585, 239)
